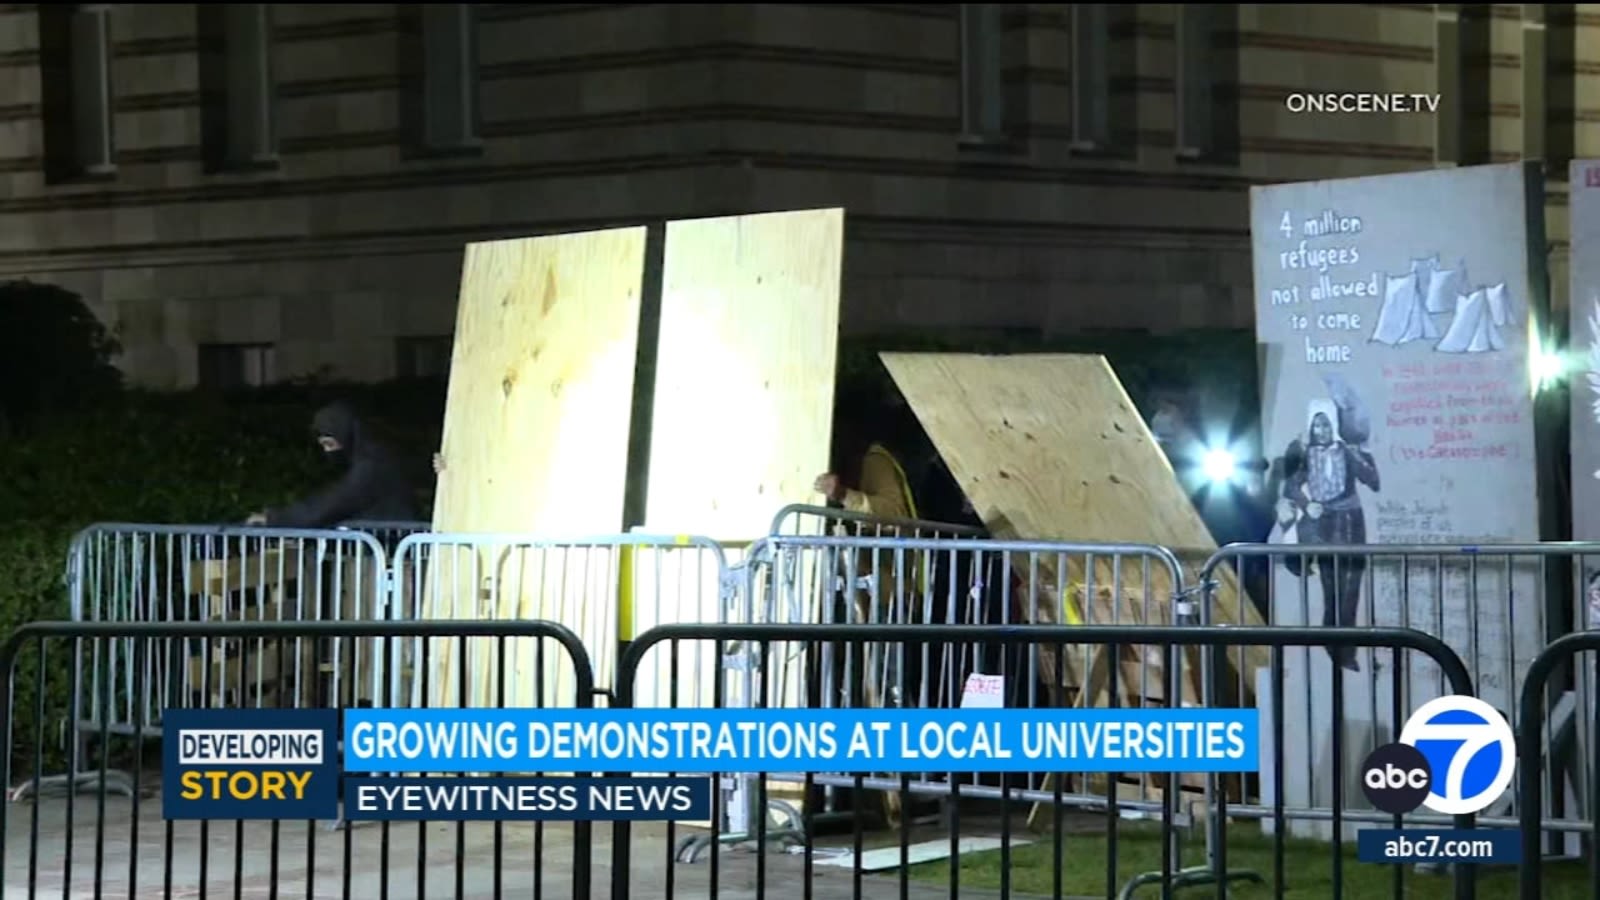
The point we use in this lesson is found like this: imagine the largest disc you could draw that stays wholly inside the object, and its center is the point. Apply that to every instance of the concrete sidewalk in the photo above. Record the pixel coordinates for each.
(404, 861)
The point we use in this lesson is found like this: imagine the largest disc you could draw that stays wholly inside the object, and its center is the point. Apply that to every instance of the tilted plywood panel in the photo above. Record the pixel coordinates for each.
(1049, 447)
(535, 433)
(744, 374)
(541, 385)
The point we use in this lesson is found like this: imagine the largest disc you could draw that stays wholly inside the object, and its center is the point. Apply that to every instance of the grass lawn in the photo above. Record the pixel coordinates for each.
(1308, 870)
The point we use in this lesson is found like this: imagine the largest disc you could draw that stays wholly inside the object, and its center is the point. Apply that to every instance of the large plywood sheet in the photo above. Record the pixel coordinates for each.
(536, 429)
(541, 385)
(745, 370)
(1049, 447)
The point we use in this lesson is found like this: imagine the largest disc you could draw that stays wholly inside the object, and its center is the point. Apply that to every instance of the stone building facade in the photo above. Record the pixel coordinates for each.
(253, 192)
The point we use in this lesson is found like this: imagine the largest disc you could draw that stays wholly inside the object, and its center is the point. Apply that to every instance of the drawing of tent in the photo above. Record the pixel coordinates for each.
(1403, 318)
(1476, 326)
(1444, 286)
(1500, 305)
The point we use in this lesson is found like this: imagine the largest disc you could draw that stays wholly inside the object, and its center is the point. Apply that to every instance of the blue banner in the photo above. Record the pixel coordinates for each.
(250, 764)
(1439, 845)
(454, 799)
(800, 740)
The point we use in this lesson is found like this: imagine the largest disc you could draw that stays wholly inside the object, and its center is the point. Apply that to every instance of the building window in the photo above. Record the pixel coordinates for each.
(237, 111)
(1461, 71)
(1091, 77)
(227, 367)
(1561, 93)
(1549, 84)
(75, 77)
(440, 59)
(982, 73)
(1207, 69)
(423, 357)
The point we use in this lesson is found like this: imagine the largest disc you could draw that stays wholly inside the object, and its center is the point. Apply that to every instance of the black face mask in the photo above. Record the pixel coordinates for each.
(339, 457)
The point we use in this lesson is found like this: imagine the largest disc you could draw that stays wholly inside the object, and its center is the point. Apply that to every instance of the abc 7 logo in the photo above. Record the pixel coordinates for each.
(1456, 755)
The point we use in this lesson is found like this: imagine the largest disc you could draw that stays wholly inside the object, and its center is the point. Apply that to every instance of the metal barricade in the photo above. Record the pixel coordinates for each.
(387, 534)
(982, 848)
(891, 582)
(119, 573)
(1534, 745)
(72, 845)
(604, 588)
(800, 520)
(1495, 605)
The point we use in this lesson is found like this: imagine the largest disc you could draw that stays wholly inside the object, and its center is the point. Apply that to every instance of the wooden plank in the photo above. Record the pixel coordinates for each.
(541, 379)
(283, 562)
(1049, 447)
(537, 417)
(744, 375)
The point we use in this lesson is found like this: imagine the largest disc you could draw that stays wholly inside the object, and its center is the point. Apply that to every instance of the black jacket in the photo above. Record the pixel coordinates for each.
(375, 487)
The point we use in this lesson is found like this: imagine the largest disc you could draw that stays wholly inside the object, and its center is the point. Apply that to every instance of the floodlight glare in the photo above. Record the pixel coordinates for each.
(1219, 466)
(1548, 368)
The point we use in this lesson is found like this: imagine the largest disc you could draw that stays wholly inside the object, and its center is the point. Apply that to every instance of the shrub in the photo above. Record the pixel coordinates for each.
(54, 355)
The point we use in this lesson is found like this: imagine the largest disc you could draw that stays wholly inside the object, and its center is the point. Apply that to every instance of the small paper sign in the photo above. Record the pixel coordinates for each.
(984, 692)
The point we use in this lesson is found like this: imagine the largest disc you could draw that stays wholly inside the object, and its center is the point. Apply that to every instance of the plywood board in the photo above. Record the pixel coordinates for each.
(538, 412)
(744, 371)
(1049, 447)
(541, 385)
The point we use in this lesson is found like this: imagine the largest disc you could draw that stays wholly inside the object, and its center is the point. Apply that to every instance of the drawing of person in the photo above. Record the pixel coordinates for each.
(1320, 502)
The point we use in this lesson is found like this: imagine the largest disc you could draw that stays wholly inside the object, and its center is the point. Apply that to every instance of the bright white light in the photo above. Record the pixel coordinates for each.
(1219, 466)
(1548, 367)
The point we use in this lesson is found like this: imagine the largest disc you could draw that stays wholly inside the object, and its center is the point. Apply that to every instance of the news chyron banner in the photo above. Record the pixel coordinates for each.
(393, 764)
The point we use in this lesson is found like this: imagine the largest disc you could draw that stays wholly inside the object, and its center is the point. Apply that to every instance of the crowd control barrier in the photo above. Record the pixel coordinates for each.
(892, 582)
(1018, 859)
(120, 573)
(105, 842)
(99, 840)
(1534, 744)
(1497, 606)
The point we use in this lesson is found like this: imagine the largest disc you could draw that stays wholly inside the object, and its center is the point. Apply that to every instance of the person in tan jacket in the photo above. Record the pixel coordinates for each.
(884, 494)
(874, 484)
(883, 491)
(877, 487)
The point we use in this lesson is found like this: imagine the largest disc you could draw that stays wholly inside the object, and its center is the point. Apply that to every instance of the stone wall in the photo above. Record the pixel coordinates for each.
(597, 115)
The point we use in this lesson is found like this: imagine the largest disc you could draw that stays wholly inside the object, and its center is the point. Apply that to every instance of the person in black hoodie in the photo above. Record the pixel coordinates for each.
(375, 486)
